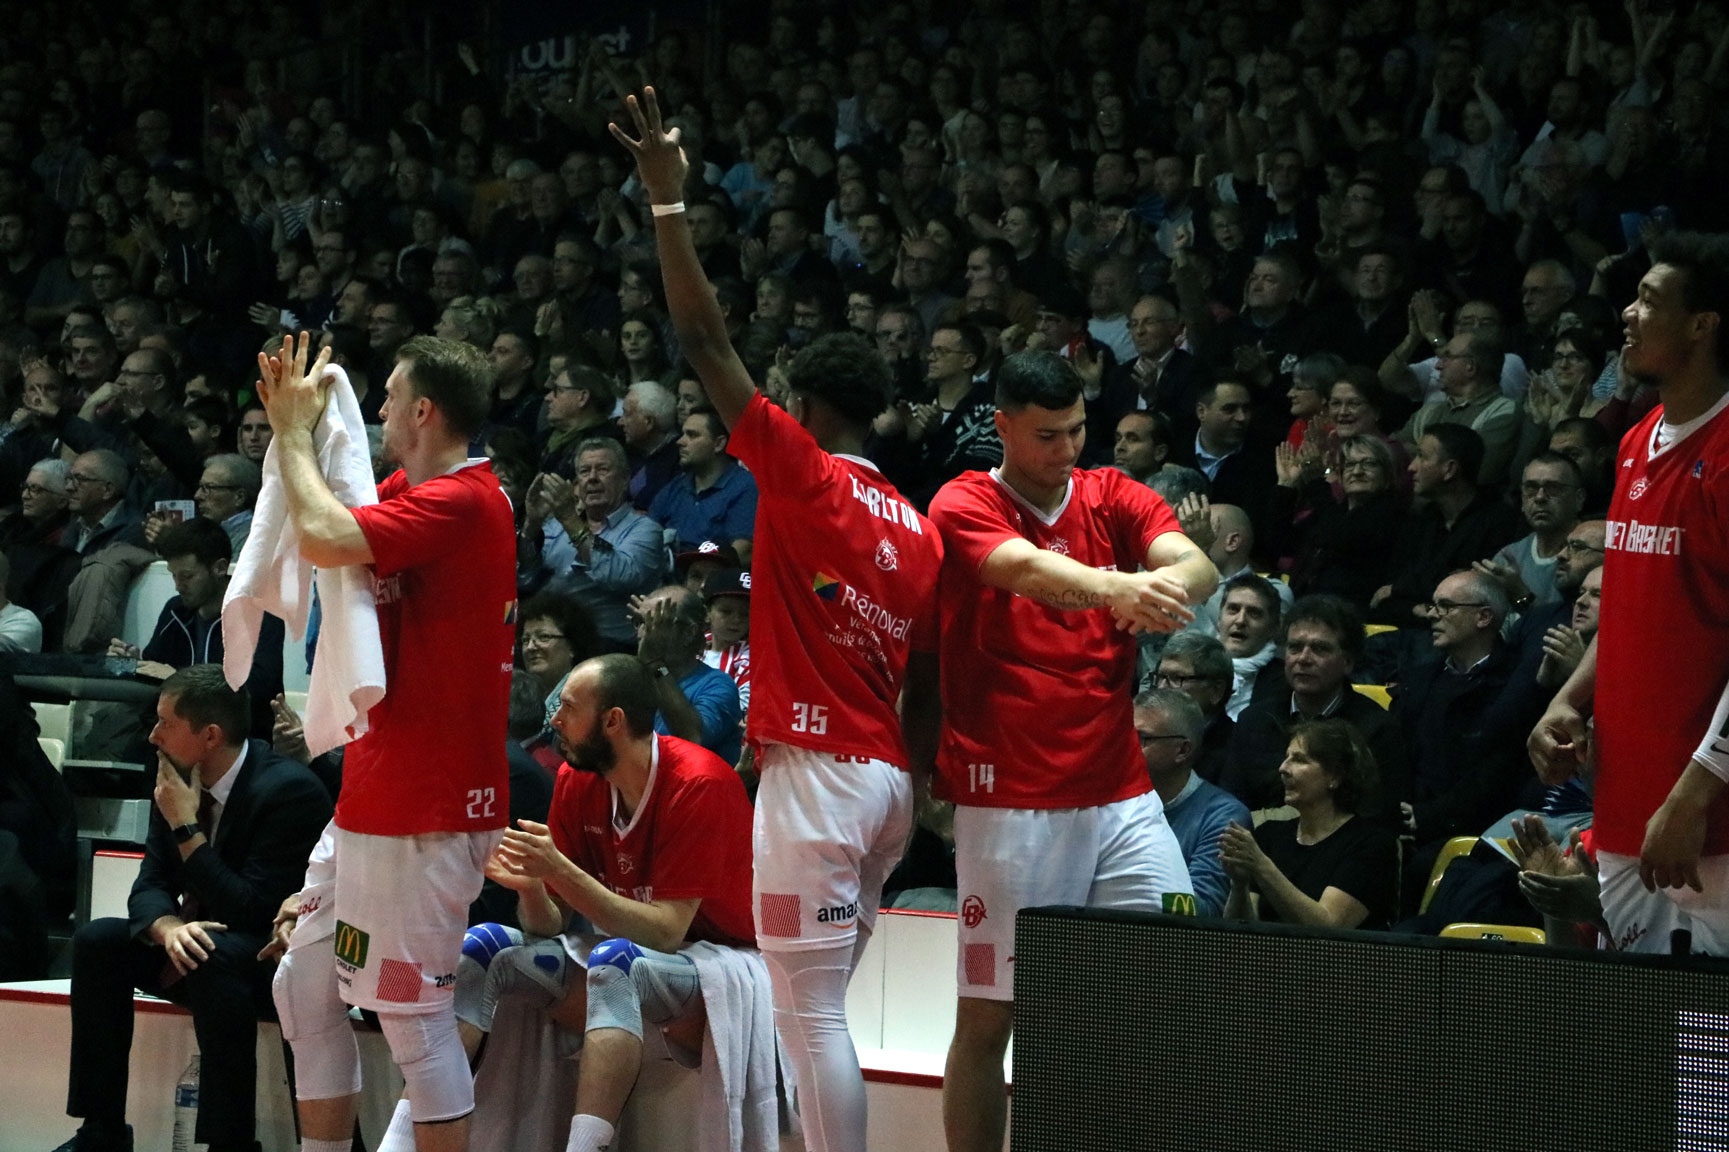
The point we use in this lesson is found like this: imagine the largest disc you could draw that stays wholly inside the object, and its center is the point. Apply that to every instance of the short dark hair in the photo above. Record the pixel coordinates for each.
(571, 616)
(202, 697)
(602, 389)
(1334, 613)
(1343, 754)
(1556, 460)
(711, 419)
(1209, 392)
(1703, 258)
(972, 340)
(622, 682)
(843, 371)
(1462, 445)
(455, 376)
(1260, 587)
(1596, 437)
(1041, 379)
(529, 341)
(203, 540)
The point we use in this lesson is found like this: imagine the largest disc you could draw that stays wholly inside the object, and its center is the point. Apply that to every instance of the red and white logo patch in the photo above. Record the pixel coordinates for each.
(1637, 490)
(886, 557)
(972, 911)
(779, 915)
(399, 982)
(980, 963)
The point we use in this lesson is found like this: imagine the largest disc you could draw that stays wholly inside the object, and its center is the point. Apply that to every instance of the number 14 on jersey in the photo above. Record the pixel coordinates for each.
(981, 777)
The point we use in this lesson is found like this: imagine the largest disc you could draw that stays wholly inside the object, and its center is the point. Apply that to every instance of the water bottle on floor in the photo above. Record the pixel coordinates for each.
(186, 1109)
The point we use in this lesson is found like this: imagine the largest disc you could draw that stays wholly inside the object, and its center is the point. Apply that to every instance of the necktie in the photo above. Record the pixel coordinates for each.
(191, 907)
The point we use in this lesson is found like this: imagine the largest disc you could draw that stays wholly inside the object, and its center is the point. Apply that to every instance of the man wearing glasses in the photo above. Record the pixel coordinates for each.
(227, 490)
(1470, 374)
(1198, 665)
(954, 433)
(110, 540)
(1551, 496)
(1170, 726)
(1459, 721)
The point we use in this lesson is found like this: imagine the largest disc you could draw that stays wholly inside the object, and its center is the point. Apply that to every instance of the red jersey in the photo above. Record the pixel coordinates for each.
(1037, 708)
(1663, 630)
(843, 587)
(734, 660)
(444, 575)
(689, 839)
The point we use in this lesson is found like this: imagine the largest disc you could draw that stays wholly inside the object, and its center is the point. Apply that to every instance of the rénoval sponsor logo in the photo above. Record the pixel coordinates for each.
(863, 608)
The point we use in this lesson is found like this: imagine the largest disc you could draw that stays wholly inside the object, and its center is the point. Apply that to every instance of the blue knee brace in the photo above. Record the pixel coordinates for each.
(628, 984)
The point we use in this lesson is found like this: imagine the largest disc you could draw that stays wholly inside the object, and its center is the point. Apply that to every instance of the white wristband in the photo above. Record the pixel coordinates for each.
(667, 209)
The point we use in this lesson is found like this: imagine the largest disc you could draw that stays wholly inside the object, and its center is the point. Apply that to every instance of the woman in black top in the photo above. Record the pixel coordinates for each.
(1329, 867)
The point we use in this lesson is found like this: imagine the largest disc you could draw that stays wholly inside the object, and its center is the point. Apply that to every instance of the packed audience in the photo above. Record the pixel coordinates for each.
(1343, 282)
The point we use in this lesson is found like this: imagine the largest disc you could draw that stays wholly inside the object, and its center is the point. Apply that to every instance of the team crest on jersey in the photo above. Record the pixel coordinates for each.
(825, 586)
(625, 864)
(1060, 546)
(1637, 490)
(886, 557)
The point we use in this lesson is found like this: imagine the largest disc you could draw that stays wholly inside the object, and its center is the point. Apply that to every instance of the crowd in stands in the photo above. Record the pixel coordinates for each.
(1343, 282)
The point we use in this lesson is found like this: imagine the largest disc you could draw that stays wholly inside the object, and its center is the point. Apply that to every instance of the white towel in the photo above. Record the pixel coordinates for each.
(270, 576)
(523, 1090)
(740, 1108)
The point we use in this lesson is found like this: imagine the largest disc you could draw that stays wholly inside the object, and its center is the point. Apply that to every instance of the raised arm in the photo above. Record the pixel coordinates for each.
(696, 315)
(293, 398)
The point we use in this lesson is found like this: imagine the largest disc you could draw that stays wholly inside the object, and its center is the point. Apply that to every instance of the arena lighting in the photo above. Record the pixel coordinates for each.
(1173, 1034)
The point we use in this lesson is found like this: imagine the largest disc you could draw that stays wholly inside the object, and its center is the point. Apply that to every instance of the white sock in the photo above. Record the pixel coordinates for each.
(326, 1145)
(399, 1137)
(588, 1134)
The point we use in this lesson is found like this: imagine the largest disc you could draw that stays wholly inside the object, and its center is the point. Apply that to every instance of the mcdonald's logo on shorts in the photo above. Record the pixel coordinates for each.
(1176, 903)
(351, 944)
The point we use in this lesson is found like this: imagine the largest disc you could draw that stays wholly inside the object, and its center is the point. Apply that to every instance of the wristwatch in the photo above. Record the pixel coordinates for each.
(185, 832)
(659, 671)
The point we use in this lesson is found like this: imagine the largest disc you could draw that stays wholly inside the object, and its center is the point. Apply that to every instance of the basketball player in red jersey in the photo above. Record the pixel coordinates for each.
(843, 578)
(1660, 726)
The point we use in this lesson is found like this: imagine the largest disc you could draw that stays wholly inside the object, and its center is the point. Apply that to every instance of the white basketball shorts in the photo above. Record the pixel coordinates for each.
(828, 830)
(1120, 855)
(398, 907)
(1642, 921)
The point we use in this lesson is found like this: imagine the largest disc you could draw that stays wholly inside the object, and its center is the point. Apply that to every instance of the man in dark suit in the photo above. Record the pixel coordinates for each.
(1237, 463)
(1162, 377)
(229, 838)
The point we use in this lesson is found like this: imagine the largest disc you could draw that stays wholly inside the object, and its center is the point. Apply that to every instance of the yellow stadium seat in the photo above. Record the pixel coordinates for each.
(1376, 692)
(1377, 629)
(1450, 851)
(1512, 933)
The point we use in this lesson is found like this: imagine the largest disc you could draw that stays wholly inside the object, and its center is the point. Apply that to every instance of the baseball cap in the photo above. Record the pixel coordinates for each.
(727, 582)
(1064, 300)
(707, 550)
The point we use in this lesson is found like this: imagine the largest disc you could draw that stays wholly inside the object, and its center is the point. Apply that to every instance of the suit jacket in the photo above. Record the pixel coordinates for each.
(1467, 732)
(274, 816)
(1245, 478)
(1174, 395)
